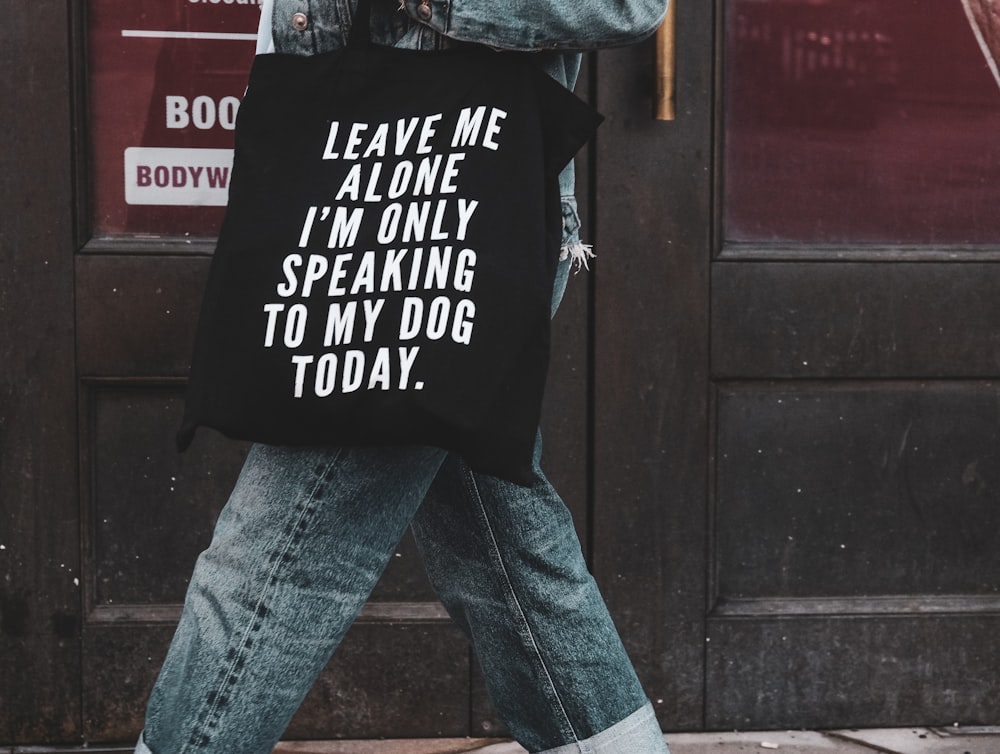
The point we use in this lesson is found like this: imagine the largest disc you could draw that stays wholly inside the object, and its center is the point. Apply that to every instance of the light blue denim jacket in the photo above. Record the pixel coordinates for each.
(556, 31)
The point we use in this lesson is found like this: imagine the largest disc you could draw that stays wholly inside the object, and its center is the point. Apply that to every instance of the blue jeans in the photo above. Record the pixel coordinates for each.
(298, 549)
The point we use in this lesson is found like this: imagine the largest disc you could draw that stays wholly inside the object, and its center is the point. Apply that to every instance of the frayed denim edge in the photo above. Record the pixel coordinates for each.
(581, 253)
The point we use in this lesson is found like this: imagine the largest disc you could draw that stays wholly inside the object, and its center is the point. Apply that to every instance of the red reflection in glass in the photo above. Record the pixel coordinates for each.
(166, 79)
(871, 121)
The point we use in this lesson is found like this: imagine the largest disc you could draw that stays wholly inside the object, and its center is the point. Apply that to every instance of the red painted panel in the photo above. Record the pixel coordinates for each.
(861, 121)
(166, 78)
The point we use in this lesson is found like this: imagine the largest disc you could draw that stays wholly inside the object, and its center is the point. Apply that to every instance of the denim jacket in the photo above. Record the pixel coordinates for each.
(556, 31)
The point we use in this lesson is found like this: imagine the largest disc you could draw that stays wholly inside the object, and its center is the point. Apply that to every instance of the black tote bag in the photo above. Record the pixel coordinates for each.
(384, 271)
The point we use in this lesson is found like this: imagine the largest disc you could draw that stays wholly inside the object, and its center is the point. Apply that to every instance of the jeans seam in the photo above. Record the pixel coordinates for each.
(512, 594)
(289, 534)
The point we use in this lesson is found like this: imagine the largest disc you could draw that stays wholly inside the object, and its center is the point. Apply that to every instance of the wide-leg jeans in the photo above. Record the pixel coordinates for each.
(300, 545)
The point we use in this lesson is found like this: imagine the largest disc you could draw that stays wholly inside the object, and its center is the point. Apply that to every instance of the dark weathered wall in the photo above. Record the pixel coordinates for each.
(39, 595)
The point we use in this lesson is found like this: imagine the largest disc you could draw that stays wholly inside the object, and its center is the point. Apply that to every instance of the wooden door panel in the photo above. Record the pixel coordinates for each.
(855, 554)
(857, 488)
(835, 668)
(137, 313)
(841, 319)
(149, 509)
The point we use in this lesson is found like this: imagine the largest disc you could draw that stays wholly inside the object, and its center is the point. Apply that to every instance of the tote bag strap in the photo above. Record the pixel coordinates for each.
(360, 35)
(265, 37)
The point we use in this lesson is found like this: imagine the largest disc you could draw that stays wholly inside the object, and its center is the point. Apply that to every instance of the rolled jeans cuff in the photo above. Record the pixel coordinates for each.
(639, 733)
(141, 748)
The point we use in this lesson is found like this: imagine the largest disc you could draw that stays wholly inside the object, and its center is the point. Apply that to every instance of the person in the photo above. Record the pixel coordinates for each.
(307, 532)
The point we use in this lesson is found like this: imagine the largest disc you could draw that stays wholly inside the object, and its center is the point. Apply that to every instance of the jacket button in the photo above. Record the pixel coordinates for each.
(300, 22)
(424, 10)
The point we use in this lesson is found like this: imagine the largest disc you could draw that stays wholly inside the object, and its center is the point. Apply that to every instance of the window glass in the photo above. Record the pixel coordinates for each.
(862, 121)
(166, 78)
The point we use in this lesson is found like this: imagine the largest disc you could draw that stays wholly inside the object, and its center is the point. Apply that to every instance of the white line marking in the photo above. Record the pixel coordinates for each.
(147, 34)
(990, 60)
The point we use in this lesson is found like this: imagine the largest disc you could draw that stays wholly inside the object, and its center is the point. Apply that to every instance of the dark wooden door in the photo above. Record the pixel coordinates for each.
(795, 362)
(855, 429)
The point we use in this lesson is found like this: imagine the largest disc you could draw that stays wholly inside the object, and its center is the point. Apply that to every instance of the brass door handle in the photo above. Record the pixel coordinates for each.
(666, 65)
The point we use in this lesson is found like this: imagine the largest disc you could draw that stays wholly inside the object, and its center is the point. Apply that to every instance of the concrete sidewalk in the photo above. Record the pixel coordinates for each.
(957, 740)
